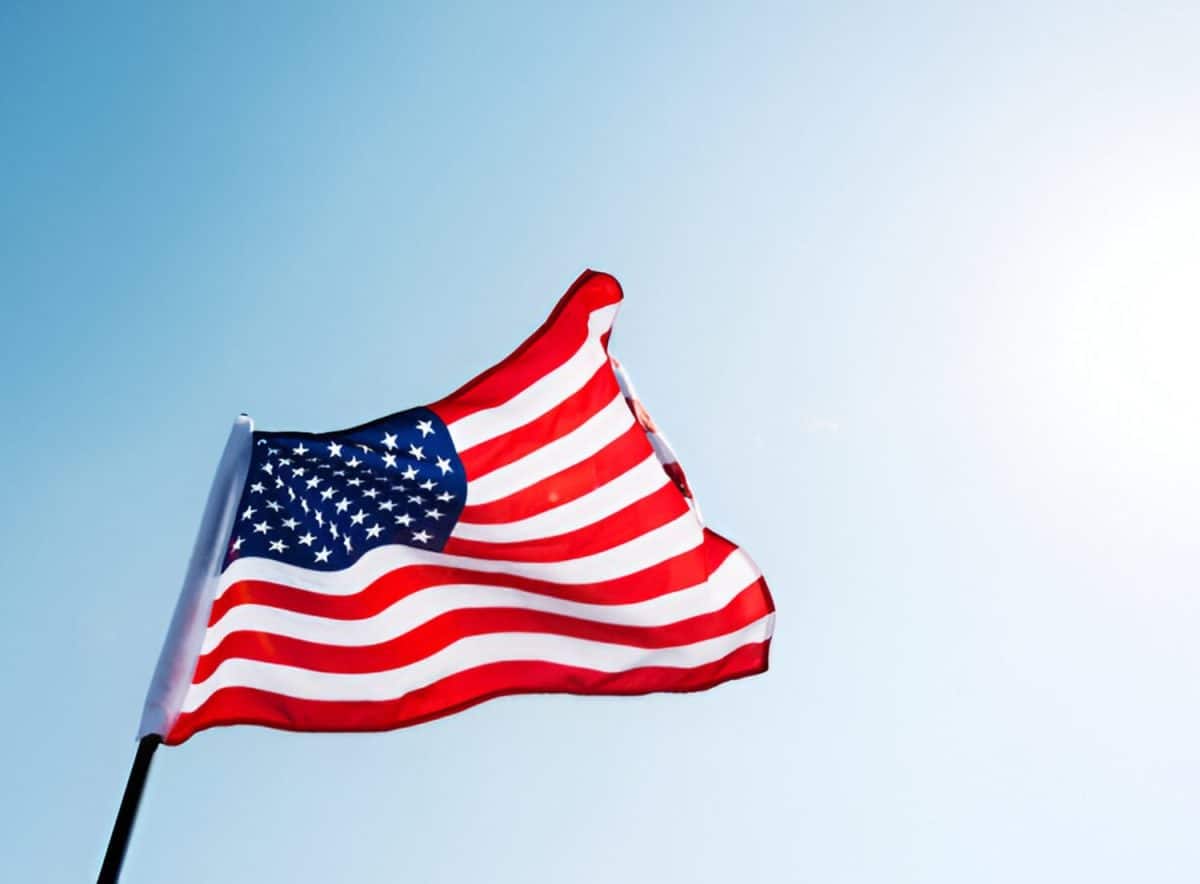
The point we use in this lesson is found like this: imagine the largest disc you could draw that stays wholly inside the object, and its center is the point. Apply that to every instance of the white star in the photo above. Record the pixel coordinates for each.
(278, 482)
(389, 461)
(328, 493)
(285, 461)
(357, 518)
(271, 452)
(248, 513)
(342, 505)
(445, 497)
(410, 472)
(298, 471)
(273, 506)
(307, 539)
(353, 462)
(237, 544)
(371, 493)
(278, 546)
(389, 441)
(373, 532)
(291, 493)
(335, 450)
(304, 504)
(404, 519)
(416, 451)
(433, 514)
(262, 527)
(323, 554)
(267, 468)
(339, 472)
(354, 482)
(428, 484)
(313, 482)
(426, 427)
(320, 518)
(333, 530)
(416, 498)
(290, 523)
(444, 465)
(346, 541)
(300, 450)
(257, 488)
(421, 536)
(365, 449)
(386, 505)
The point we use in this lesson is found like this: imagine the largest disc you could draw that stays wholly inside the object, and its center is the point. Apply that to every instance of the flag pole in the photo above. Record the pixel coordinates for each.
(110, 871)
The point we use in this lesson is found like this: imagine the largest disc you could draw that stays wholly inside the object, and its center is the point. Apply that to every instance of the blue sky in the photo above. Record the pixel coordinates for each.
(914, 291)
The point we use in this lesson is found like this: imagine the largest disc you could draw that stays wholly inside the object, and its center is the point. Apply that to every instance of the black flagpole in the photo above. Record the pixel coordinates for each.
(110, 871)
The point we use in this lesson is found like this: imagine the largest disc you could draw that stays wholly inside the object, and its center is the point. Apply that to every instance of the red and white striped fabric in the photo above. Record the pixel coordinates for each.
(579, 564)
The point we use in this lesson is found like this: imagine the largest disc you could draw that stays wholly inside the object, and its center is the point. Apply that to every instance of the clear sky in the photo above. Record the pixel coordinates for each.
(912, 288)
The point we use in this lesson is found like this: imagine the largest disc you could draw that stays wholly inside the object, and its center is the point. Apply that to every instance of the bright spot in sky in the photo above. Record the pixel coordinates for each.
(1129, 314)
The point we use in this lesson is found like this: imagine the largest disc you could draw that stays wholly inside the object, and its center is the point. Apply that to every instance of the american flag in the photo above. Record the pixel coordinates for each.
(531, 532)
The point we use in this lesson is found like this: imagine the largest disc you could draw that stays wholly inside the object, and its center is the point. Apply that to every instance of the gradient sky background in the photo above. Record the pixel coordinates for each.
(914, 291)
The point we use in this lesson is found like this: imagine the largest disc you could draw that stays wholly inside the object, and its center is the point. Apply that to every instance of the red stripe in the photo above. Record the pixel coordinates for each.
(679, 572)
(456, 693)
(749, 605)
(546, 349)
(643, 416)
(652, 511)
(615, 459)
(675, 472)
(573, 411)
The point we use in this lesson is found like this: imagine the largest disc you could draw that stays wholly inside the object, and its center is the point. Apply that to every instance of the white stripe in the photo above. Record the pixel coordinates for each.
(581, 443)
(664, 542)
(468, 653)
(623, 379)
(661, 448)
(734, 575)
(613, 496)
(543, 394)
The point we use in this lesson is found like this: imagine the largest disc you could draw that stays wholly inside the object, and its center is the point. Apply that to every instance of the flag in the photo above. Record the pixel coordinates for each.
(531, 532)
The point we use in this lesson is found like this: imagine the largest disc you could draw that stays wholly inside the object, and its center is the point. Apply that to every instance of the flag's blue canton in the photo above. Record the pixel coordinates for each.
(322, 500)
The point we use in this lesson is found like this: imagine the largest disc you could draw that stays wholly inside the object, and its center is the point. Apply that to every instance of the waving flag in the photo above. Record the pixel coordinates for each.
(531, 532)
